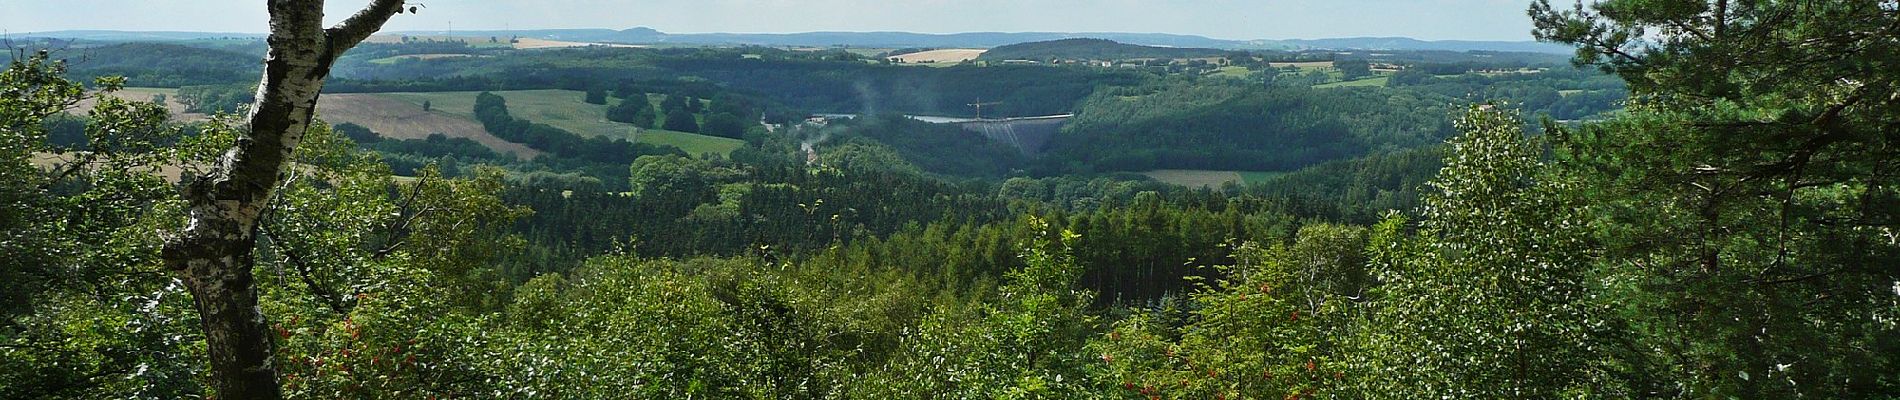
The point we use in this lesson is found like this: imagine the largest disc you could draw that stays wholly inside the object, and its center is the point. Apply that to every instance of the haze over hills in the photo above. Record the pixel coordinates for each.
(899, 39)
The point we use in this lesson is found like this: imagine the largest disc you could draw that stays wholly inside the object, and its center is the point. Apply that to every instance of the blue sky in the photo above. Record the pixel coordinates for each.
(1226, 19)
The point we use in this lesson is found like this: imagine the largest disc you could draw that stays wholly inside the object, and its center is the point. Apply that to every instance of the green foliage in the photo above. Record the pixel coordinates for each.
(1090, 49)
(1743, 206)
(1024, 345)
(1494, 296)
(1266, 330)
(1728, 235)
(936, 148)
(214, 99)
(596, 96)
(84, 311)
(492, 111)
(633, 110)
(681, 120)
(163, 64)
(1227, 126)
(725, 125)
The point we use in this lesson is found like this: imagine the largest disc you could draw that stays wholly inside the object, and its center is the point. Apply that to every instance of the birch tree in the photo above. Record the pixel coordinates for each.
(213, 251)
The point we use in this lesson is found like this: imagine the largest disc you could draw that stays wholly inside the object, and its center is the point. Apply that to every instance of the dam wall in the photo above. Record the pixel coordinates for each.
(1028, 135)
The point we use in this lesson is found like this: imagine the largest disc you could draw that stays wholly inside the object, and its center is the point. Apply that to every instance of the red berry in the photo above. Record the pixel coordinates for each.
(1128, 386)
(1311, 365)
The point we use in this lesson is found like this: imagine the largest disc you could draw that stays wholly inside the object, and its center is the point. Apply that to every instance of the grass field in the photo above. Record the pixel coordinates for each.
(566, 109)
(1379, 81)
(397, 119)
(1208, 178)
(1232, 72)
(1304, 65)
(1194, 178)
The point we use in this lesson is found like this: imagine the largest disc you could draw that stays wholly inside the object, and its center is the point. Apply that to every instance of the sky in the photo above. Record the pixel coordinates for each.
(1222, 19)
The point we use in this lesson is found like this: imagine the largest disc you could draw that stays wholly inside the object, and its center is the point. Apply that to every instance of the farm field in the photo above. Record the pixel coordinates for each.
(1232, 72)
(477, 42)
(1209, 178)
(565, 109)
(531, 43)
(940, 56)
(1252, 177)
(145, 94)
(397, 119)
(1194, 178)
(1373, 82)
(1304, 64)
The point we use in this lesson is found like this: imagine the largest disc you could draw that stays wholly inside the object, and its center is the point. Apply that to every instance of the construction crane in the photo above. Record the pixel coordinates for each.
(979, 106)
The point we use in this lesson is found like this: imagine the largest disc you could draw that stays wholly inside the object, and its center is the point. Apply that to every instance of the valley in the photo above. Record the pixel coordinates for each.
(1616, 199)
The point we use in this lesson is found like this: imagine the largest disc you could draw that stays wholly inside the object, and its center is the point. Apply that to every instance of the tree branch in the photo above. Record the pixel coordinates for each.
(359, 27)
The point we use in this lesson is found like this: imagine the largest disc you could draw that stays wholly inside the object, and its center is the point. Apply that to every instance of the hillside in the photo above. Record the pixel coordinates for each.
(1091, 49)
(453, 114)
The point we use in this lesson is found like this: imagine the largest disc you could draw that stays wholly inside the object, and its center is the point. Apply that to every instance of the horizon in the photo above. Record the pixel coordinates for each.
(425, 31)
(1430, 20)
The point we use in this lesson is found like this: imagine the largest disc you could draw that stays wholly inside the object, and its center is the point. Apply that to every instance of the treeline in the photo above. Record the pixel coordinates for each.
(1564, 93)
(214, 99)
(805, 81)
(1222, 125)
(681, 207)
(145, 64)
(937, 148)
(492, 111)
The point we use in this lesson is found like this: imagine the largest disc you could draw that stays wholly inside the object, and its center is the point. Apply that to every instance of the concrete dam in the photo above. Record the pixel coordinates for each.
(1026, 134)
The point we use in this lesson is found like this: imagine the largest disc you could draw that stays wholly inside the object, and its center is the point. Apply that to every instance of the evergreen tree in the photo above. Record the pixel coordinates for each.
(1742, 199)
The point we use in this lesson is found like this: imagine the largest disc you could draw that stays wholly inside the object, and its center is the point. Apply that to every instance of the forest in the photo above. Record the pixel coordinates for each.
(1702, 202)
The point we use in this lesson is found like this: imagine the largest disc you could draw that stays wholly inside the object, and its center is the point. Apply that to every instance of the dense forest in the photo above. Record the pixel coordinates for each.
(1702, 205)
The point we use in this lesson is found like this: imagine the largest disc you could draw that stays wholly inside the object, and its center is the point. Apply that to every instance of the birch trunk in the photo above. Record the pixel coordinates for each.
(213, 251)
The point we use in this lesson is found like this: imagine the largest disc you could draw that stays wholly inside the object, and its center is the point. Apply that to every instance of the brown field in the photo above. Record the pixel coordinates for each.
(145, 94)
(531, 43)
(940, 56)
(398, 119)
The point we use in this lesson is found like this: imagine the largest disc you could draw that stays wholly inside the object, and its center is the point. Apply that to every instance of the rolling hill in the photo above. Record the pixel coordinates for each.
(892, 39)
(1091, 49)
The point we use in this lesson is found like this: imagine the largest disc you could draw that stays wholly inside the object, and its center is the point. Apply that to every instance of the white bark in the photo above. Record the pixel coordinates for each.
(213, 252)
